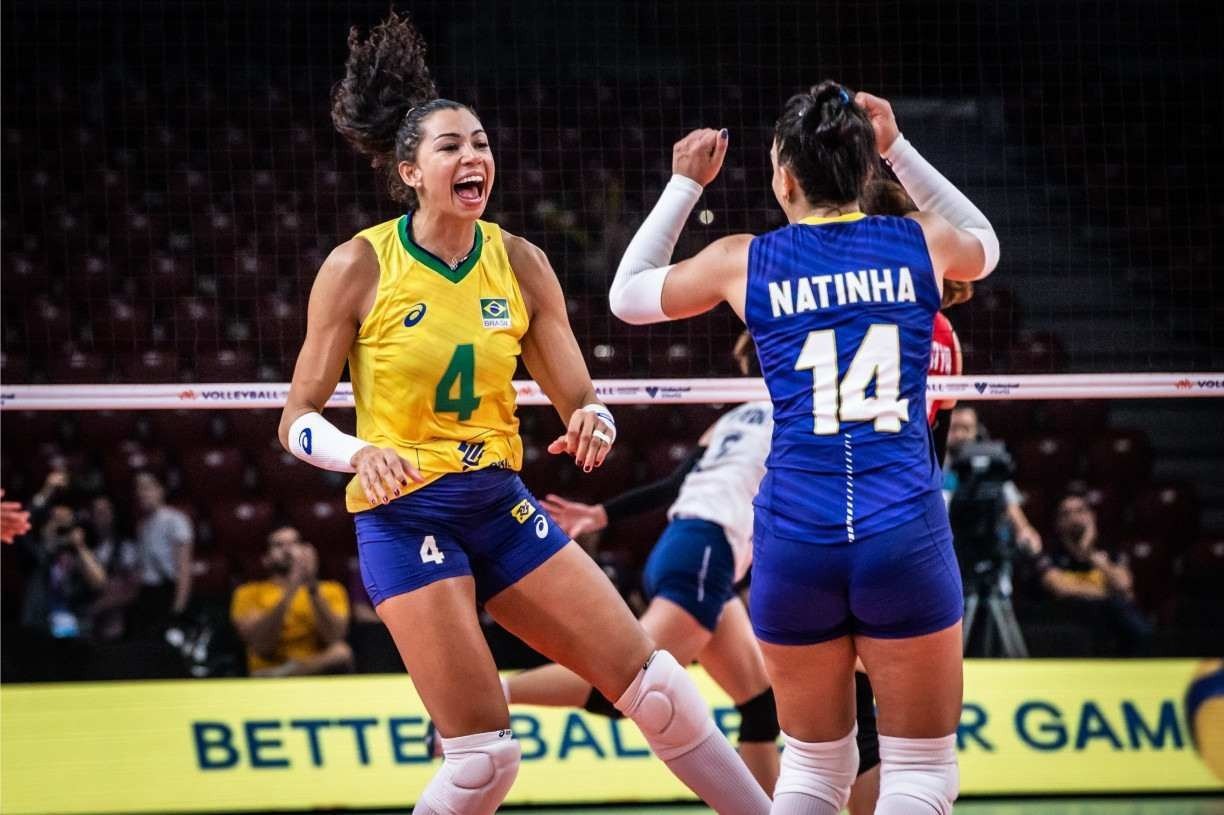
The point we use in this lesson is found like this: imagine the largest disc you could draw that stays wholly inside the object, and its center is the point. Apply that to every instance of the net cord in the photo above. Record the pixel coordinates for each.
(210, 396)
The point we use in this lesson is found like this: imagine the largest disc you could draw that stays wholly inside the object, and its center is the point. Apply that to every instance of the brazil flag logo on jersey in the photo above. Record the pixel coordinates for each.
(495, 312)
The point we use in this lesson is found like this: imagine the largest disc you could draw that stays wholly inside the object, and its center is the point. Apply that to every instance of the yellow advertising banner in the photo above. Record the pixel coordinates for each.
(1029, 727)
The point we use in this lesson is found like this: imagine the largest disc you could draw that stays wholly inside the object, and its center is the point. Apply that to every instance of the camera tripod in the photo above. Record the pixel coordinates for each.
(992, 583)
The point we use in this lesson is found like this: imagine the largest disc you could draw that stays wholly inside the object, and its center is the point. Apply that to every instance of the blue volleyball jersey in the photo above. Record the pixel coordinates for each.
(841, 310)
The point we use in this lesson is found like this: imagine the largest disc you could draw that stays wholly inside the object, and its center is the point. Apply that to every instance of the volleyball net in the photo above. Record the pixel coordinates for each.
(172, 183)
(717, 391)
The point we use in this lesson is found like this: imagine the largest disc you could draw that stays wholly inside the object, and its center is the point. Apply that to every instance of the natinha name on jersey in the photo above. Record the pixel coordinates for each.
(787, 297)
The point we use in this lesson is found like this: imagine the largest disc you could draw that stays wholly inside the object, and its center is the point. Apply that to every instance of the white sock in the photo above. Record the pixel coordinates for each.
(476, 773)
(666, 706)
(918, 776)
(816, 776)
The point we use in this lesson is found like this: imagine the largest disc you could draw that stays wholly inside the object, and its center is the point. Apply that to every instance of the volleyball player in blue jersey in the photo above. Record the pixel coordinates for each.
(851, 545)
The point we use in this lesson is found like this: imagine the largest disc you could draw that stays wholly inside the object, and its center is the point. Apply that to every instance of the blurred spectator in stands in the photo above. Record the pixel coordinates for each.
(1093, 585)
(963, 429)
(119, 557)
(292, 624)
(53, 488)
(14, 520)
(164, 541)
(64, 577)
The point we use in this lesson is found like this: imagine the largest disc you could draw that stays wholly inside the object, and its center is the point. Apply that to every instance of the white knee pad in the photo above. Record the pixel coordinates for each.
(667, 707)
(475, 776)
(914, 771)
(820, 769)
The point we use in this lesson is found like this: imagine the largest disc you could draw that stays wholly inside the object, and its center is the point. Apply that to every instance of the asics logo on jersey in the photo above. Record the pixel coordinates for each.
(495, 312)
(541, 527)
(470, 453)
(305, 440)
(414, 315)
(522, 511)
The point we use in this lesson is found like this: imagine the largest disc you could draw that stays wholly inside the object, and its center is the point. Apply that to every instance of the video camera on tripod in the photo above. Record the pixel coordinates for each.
(984, 550)
(982, 470)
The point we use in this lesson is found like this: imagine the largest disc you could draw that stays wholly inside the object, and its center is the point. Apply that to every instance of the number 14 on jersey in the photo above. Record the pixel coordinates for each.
(879, 358)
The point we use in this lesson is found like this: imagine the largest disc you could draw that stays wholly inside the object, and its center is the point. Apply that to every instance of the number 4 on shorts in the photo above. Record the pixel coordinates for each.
(430, 553)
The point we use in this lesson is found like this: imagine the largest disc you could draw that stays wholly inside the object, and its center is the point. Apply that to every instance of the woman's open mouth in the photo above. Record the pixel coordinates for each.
(470, 188)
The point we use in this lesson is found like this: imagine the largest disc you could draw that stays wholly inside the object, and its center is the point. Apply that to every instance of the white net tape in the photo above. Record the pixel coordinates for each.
(615, 391)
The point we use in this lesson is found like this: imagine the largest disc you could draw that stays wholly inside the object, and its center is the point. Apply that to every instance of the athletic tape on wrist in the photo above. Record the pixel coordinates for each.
(604, 415)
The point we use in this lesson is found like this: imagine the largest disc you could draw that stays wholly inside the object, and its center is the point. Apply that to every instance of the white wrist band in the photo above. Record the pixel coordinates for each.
(317, 441)
(931, 191)
(637, 290)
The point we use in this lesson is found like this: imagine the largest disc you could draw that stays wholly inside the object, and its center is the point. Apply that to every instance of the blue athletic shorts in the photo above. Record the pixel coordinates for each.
(483, 523)
(899, 583)
(693, 566)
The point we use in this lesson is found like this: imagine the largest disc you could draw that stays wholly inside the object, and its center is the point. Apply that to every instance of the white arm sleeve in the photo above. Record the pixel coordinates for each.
(637, 290)
(931, 191)
(317, 441)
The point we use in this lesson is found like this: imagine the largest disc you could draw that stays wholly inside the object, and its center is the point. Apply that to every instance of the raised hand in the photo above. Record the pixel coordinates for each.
(14, 520)
(700, 154)
(883, 121)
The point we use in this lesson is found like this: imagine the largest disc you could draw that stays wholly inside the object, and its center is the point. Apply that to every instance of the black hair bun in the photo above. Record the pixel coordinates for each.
(828, 121)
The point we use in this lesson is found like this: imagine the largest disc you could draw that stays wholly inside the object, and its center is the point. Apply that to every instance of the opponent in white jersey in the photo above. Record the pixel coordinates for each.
(722, 483)
(690, 580)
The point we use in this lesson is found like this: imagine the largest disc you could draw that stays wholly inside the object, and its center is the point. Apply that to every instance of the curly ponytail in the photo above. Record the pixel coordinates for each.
(826, 140)
(385, 95)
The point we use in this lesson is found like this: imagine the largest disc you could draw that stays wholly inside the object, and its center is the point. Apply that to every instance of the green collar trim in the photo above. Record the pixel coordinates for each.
(432, 261)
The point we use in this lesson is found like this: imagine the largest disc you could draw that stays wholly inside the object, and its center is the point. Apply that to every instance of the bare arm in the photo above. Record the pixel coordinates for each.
(261, 631)
(342, 296)
(1026, 534)
(330, 625)
(550, 350)
(552, 356)
(95, 575)
(182, 587)
(716, 274)
(343, 293)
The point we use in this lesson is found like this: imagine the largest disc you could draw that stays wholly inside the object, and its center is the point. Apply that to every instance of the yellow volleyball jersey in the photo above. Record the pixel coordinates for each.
(433, 363)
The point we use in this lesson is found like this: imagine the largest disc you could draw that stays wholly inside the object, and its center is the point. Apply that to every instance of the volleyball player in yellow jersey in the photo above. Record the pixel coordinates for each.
(431, 310)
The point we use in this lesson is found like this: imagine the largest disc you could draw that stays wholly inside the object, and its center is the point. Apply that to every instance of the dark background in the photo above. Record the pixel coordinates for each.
(171, 181)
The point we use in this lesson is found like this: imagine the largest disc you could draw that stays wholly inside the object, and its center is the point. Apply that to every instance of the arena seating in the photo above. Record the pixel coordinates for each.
(184, 251)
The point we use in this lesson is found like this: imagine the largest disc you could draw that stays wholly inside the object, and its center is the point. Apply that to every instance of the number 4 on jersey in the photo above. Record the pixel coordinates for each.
(878, 358)
(460, 374)
(430, 553)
